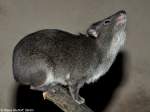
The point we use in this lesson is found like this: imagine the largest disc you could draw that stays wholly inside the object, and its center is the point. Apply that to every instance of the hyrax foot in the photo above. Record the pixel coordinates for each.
(76, 97)
(80, 100)
(74, 91)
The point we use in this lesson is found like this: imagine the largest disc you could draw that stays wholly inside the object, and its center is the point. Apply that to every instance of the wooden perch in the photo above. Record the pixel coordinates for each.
(60, 96)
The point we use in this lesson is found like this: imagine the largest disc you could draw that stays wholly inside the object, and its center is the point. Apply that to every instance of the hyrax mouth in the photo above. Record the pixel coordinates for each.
(121, 19)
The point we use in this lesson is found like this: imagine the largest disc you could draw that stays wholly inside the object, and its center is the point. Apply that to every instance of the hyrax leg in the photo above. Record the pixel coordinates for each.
(74, 91)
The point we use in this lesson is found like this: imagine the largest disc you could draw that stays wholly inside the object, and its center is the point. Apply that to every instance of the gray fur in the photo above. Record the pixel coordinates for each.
(49, 57)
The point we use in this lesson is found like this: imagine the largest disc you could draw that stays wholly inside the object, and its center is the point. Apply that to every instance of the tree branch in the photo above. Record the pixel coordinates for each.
(60, 96)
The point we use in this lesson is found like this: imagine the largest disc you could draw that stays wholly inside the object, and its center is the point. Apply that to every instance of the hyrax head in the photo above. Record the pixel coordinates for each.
(109, 26)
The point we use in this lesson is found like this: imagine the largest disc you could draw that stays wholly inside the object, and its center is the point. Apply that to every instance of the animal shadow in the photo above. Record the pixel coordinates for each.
(99, 94)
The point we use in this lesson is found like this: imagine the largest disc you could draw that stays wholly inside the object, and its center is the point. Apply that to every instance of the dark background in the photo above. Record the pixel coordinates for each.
(125, 88)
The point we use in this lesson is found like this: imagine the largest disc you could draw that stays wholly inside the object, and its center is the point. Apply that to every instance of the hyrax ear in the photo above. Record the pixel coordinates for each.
(92, 32)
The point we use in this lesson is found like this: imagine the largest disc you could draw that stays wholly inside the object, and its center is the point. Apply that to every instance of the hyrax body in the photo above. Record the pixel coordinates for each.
(50, 57)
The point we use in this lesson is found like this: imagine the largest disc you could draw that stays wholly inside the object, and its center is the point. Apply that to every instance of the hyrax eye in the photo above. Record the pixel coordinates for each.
(106, 22)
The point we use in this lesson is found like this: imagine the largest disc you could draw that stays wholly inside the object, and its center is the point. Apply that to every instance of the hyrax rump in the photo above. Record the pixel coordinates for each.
(50, 57)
